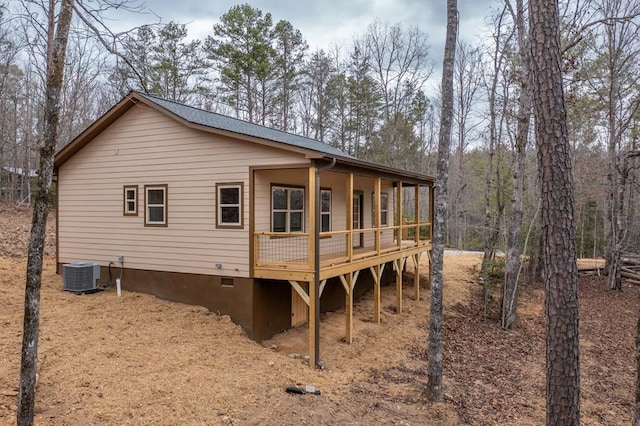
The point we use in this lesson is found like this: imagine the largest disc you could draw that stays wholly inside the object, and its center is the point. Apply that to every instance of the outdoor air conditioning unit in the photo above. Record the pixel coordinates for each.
(80, 277)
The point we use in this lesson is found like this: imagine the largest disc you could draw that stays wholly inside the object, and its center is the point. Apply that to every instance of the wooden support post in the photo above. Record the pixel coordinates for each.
(416, 276)
(416, 214)
(345, 284)
(349, 216)
(399, 212)
(348, 334)
(311, 219)
(254, 257)
(378, 191)
(312, 325)
(399, 265)
(376, 271)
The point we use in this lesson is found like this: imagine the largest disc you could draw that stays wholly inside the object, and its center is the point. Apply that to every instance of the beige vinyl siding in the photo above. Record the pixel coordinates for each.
(144, 147)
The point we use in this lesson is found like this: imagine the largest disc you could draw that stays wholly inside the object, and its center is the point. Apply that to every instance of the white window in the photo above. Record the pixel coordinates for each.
(287, 209)
(325, 210)
(229, 211)
(384, 209)
(130, 202)
(155, 205)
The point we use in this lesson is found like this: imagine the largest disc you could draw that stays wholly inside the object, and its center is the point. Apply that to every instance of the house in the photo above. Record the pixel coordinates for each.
(15, 183)
(265, 226)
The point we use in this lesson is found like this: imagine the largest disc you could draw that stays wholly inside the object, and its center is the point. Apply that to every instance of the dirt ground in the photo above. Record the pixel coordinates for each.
(141, 360)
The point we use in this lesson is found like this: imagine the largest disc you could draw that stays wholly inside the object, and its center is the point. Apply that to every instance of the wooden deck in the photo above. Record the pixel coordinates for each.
(285, 257)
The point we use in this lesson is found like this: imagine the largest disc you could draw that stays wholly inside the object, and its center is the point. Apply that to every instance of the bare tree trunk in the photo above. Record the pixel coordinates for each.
(514, 232)
(490, 234)
(558, 218)
(534, 259)
(434, 389)
(619, 45)
(636, 417)
(56, 50)
(595, 231)
(612, 223)
(491, 228)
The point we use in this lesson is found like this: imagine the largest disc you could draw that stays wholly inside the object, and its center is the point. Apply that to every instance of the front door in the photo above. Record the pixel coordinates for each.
(357, 219)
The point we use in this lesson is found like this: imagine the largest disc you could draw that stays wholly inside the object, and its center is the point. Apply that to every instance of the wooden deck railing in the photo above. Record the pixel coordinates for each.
(290, 250)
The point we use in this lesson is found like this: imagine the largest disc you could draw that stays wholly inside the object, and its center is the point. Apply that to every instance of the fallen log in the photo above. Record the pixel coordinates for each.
(597, 269)
(631, 275)
(631, 281)
(630, 261)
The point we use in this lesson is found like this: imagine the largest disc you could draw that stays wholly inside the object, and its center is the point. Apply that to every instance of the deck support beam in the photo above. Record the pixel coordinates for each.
(416, 238)
(376, 272)
(348, 334)
(314, 290)
(399, 266)
(349, 283)
(349, 216)
(416, 275)
(313, 332)
(399, 211)
(378, 214)
(322, 284)
(298, 288)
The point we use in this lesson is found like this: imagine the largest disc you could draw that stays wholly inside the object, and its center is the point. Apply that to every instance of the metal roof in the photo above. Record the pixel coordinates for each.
(217, 122)
(223, 122)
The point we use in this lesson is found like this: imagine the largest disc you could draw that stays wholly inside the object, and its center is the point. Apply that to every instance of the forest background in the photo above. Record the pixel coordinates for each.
(371, 96)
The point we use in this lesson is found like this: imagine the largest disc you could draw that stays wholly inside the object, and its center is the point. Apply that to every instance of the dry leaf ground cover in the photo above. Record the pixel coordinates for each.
(141, 360)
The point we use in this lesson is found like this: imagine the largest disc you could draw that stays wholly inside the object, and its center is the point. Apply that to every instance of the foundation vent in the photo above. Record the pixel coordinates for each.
(80, 277)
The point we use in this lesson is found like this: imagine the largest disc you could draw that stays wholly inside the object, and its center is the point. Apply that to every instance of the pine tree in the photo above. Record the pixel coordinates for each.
(558, 218)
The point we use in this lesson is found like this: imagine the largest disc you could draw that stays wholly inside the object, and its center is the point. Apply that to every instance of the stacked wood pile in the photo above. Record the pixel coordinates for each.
(631, 268)
(591, 266)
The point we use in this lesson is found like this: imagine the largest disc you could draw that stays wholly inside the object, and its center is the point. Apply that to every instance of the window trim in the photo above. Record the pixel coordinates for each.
(384, 223)
(125, 200)
(165, 188)
(240, 206)
(288, 210)
(329, 213)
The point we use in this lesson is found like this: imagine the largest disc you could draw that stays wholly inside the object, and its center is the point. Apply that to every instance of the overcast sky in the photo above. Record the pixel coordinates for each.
(325, 21)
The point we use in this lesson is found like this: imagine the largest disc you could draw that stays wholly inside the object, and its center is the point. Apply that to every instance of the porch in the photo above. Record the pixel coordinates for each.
(306, 239)
(286, 255)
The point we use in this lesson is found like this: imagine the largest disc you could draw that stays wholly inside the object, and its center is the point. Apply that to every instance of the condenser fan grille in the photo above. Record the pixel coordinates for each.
(80, 277)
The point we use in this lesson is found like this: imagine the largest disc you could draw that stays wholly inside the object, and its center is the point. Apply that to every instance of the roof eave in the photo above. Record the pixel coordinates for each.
(378, 169)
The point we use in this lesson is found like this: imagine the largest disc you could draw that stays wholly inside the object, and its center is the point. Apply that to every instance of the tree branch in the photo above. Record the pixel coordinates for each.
(607, 21)
(84, 13)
